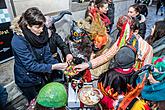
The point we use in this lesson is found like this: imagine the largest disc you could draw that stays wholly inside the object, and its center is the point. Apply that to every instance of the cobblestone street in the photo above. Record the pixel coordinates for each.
(152, 18)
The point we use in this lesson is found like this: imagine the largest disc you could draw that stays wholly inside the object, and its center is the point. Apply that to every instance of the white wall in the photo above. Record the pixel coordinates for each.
(46, 6)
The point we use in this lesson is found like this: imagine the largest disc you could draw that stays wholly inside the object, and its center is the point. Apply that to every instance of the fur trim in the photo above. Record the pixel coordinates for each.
(15, 26)
(143, 19)
(83, 24)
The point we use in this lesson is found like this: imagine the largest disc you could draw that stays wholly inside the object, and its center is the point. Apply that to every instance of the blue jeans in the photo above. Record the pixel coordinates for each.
(3, 97)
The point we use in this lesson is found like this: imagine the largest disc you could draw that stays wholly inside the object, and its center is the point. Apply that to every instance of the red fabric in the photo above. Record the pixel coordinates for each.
(93, 12)
(87, 76)
(121, 34)
(107, 103)
(81, 105)
(159, 60)
(147, 107)
(105, 19)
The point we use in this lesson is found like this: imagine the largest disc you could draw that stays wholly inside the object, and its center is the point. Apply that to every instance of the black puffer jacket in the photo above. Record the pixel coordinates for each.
(110, 12)
(56, 41)
(141, 19)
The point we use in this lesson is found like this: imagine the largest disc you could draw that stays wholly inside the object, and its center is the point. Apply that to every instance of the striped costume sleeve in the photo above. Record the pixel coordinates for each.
(145, 53)
(149, 56)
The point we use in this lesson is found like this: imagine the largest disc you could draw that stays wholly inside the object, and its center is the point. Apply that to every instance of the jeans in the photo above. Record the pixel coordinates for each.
(3, 97)
(31, 92)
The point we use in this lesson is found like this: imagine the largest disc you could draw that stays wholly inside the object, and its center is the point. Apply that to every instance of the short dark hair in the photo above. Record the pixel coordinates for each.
(32, 16)
(159, 31)
(101, 4)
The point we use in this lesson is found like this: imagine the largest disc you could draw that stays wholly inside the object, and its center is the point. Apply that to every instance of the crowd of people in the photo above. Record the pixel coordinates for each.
(117, 64)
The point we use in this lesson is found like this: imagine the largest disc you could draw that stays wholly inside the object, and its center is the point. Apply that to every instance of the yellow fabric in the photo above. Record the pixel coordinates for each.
(138, 105)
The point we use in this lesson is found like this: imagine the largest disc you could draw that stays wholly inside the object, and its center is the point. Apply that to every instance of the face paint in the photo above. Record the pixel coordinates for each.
(100, 41)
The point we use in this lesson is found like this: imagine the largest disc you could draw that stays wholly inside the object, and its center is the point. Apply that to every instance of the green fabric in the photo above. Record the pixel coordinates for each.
(156, 91)
(159, 65)
(52, 95)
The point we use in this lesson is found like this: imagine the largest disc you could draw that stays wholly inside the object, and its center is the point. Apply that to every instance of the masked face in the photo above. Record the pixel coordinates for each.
(77, 34)
(100, 41)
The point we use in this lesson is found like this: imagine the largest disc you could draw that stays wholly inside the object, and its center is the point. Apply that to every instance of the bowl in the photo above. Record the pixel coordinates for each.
(89, 95)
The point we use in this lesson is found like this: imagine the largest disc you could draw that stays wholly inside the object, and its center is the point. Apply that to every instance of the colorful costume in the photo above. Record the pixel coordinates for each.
(155, 92)
(101, 42)
(79, 42)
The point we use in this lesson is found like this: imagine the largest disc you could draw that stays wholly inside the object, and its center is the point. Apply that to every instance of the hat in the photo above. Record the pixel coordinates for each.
(125, 58)
(52, 95)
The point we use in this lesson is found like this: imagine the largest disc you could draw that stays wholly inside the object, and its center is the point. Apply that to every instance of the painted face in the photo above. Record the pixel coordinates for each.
(132, 12)
(104, 9)
(36, 29)
(100, 41)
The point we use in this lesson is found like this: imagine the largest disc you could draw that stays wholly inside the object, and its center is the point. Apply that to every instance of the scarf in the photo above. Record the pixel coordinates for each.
(34, 40)
(105, 19)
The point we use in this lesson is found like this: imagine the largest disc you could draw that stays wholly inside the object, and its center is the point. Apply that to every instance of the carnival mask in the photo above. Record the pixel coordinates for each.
(77, 34)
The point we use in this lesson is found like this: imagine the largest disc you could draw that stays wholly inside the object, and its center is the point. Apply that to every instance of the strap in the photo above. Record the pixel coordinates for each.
(131, 104)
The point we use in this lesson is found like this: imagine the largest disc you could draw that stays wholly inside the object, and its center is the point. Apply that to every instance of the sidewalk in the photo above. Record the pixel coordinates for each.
(152, 18)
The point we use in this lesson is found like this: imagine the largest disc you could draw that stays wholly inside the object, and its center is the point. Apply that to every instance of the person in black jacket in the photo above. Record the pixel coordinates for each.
(134, 12)
(110, 13)
(160, 5)
(55, 41)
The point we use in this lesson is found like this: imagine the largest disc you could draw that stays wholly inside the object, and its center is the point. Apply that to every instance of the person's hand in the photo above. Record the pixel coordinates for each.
(92, 55)
(81, 67)
(60, 66)
(69, 58)
(152, 80)
(152, 30)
